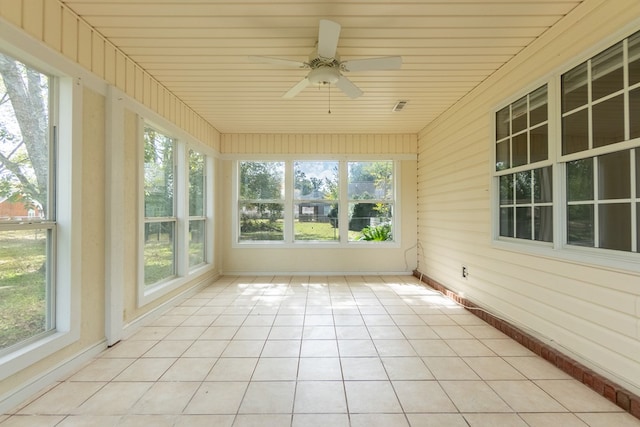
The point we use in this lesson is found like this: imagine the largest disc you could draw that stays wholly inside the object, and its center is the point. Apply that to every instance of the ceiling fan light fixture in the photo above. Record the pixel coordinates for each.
(323, 76)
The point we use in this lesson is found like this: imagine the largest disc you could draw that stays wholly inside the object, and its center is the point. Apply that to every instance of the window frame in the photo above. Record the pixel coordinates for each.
(289, 240)
(560, 248)
(66, 116)
(183, 143)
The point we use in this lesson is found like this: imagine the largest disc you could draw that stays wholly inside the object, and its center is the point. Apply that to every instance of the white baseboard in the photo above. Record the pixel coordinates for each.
(317, 273)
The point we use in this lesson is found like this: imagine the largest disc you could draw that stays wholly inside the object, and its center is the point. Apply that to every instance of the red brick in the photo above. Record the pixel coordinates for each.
(609, 392)
(623, 401)
(634, 408)
(598, 384)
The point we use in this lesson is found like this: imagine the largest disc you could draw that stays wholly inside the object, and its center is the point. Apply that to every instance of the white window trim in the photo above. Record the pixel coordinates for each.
(559, 249)
(343, 218)
(184, 142)
(68, 250)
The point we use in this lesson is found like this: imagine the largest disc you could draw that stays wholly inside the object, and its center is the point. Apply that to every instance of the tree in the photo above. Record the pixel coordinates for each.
(24, 133)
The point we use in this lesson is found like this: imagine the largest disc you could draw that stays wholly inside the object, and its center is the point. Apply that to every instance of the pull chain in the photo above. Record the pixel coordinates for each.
(329, 112)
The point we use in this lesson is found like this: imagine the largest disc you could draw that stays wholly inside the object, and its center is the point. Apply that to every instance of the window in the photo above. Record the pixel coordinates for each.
(525, 193)
(159, 207)
(261, 201)
(370, 192)
(598, 157)
(316, 194)
(27, 205)
(307, 207)
(197, 209)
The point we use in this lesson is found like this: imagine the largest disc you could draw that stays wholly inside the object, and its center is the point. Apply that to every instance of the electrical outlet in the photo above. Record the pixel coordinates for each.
(465, 271)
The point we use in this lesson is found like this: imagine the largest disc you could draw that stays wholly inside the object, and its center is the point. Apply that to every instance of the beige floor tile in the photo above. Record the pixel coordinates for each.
(32, 421)
(129, 349)
(406, 368)
(150, 369)
(422, 396)
(169, 320)
(388, 348)
(289, 320)
(113, 399)
(316, 397)
(62, 399)
(470, 348)
(609, 419)
(555, 419)
(233, 369)
(451, 332)
(493, 368)
(419, 333)
(379, 420)
(206, 348)
(320, 420)
(263, 420)
(189, 369)
(576, 397)
(248, 348)
(507, 347)
(318, 320)
(204, 420)
(323, 368)
(276, 369)
(285, 333)
(352, 333)
(348, 320)
(217, 398)
(229, 319)
(319, 348)
(474, 396)
(434, 348)
(103, 369)
(407, 320)
(252, 333)
(371, 397)
(536, 368)
(437, 319)
(357, 348)
(219, 333)
(145, 421)
(494, 420)
(436, 420)
(262, 319)
(169, 348)
(93, 421)
(272, 397)
(485, 332)
(525, 396)
(385, 333)
(151, 333)
(319, 333)
(200, 320)
(363, 368)
(166, 398)
(281, 348)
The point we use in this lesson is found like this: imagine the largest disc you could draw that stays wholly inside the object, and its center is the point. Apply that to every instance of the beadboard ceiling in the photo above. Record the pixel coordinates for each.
(199, 50)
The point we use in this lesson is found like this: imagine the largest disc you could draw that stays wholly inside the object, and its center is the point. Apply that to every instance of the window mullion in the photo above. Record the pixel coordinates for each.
(288, 202)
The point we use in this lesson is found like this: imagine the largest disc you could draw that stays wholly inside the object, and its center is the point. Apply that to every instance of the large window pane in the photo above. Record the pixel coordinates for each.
(24, 292)
(316, 222)
(543, 223)
(538, 106)
(575, 132)
(608, 121)
(523, 187)
(503, 123)
(316, 191)
(316, 180)
(634, 59)
(196, 184)
(634, 113)
(574, 88)
(543, 185)
(520, 150)
(261, 221)
(506, 222)
(519, 111)
(607, 72)
(614, 176)
(159, 251)
(370, 218)
(614, 221)
(197, 240)
(580, 225)
(27, 288)
(506, 189)
(503, 155)
(539, 143)
(580, 180)
(262, 180)
(158, 174)
(370, 180)
(523, 222)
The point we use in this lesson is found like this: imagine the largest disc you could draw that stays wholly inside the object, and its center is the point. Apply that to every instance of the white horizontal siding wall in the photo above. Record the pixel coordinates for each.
(588, 312)
(50, 22)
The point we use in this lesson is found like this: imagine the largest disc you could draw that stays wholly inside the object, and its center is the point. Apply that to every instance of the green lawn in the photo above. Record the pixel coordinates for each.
(22, 285)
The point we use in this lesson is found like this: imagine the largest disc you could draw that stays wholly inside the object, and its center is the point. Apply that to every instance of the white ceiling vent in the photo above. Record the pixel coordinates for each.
(399, 105)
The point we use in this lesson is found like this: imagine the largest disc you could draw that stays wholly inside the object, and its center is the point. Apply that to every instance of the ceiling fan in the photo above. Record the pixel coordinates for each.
(326, 66)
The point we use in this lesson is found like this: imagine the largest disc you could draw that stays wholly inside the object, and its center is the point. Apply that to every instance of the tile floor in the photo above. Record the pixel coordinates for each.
(318, 351)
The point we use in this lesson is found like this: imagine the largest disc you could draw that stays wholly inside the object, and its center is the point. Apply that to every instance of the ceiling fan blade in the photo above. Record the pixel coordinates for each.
(371, 64)
(296, 89)
(328, 35)
(349, 89)
(278, 61)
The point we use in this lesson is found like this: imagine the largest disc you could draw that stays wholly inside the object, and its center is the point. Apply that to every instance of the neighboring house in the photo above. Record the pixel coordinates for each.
(18, 209)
